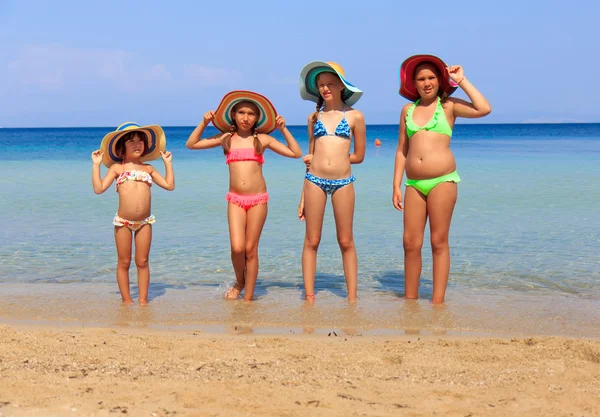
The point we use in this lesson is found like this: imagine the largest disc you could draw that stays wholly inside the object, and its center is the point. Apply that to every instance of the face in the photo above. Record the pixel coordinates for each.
(135, 147)
(426, 81)
(245, 116)
(329, 86)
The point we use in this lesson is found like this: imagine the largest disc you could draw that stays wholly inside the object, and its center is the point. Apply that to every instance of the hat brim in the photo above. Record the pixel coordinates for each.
(268, 114)
(157, 142)
(408, 88)
(308, 83)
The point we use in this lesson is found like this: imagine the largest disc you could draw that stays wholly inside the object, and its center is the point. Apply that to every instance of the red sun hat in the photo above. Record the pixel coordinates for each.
(408, 89)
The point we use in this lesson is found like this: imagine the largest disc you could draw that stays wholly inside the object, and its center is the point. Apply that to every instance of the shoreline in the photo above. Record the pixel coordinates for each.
(283, 312)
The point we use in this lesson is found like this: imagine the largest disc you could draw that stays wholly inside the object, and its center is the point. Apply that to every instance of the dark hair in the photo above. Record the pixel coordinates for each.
(442, 94)
(120, 146)
(227, 142)
(321, 101)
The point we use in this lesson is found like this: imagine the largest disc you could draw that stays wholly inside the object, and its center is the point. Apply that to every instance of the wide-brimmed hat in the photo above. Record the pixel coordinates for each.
(156, 142)
(408, 89)
(308, 81)
(266, 121)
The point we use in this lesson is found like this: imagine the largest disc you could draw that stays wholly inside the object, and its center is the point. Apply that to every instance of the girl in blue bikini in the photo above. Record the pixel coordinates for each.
(424, 152)
(331, 130)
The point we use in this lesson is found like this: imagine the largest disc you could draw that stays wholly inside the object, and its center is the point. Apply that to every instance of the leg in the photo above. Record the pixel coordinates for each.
(255, 220)
(314, 210)
(343, 211)
(237, 236)
(123, 242)
(143, 240)
(440, 206)
(415, 217)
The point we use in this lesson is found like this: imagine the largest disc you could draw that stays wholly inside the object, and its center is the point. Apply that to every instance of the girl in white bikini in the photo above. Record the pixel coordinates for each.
(124, 152)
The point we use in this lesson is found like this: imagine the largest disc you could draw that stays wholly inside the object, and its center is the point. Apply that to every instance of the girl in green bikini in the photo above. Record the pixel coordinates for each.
(424, 152)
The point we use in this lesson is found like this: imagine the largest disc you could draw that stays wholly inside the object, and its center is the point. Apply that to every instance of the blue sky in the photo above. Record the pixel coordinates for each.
(99, 63)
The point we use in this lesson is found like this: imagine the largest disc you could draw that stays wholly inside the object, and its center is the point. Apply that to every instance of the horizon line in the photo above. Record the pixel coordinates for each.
(294, 125)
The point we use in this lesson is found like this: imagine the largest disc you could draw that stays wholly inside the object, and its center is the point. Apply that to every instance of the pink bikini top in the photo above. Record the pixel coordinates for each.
(134, 175)
(244, 154)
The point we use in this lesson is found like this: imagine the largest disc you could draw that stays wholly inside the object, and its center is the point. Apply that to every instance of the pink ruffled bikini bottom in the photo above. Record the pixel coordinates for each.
(247, 201)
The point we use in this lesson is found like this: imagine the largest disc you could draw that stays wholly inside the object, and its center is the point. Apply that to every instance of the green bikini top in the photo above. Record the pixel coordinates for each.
(438, 122)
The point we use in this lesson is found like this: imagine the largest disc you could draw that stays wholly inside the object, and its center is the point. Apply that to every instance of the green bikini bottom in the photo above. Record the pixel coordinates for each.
(425, 186)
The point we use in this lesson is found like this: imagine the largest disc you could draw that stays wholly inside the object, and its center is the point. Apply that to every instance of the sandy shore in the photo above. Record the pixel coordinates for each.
(64, 371)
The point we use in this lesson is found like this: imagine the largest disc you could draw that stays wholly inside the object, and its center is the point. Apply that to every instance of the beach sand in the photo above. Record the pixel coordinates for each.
(56, 370)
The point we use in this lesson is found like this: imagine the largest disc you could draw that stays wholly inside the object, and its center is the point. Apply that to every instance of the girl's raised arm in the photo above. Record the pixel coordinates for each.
(479, 105)
(292, 150)
(101, 184)
(195, 140)
(168, 183)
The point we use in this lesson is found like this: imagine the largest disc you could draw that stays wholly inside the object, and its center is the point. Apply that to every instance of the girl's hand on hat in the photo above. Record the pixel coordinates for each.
(166, 156)
(208, 116)
(280, 121)
(97, 157)
(456, 73)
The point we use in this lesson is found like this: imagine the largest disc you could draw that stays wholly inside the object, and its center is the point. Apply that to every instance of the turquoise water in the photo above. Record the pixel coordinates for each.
(525, 221)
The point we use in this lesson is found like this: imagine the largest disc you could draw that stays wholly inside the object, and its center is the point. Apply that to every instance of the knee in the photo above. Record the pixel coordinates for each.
(251, 252)
(141, 262)
(346, 243)
(237, 250)
(412, 242)
(124, 262)
(439, 242)
(312, 241)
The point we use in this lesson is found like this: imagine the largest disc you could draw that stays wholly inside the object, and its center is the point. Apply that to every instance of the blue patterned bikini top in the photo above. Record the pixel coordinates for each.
(342, 130)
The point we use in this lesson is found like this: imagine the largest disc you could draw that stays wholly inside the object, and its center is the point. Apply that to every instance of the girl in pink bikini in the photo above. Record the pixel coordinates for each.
(246, 119)
(124, 152)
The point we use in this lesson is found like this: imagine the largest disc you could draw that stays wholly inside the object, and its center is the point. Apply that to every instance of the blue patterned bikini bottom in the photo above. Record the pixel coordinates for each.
(329, 186)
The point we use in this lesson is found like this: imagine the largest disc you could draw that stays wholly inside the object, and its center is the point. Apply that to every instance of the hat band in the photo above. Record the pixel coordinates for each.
(126, 125)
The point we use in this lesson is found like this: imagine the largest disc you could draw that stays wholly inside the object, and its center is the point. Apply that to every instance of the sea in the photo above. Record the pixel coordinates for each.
(525, 238)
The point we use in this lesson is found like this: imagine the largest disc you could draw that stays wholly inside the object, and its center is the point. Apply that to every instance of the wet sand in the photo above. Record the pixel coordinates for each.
(180, 307)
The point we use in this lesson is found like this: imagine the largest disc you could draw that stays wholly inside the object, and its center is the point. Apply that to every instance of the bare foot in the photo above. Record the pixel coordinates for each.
(143, 302)
(128, 302)
(310, 298)
(234, 292)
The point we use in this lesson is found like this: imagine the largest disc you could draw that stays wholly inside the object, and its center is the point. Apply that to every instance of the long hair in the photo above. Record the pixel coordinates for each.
(120, 146)
(441, 93)
(258, 148)
(321, 101)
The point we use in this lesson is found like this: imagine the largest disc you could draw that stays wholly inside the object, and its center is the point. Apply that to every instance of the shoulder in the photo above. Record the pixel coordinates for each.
(405, 109)
(450, 102)
(312, 116)
(264, 138)
(115, 169)
(356, 115)
(149, 168)
(220, 136)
